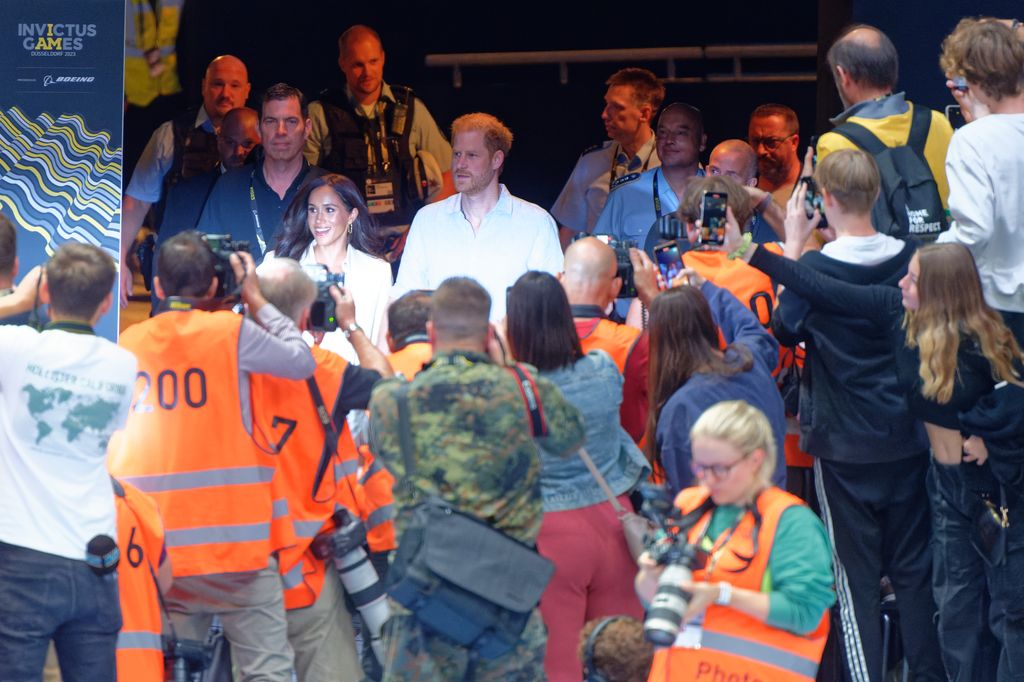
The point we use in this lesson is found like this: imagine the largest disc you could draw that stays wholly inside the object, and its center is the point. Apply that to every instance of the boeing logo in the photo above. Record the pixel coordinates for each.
(50, 80)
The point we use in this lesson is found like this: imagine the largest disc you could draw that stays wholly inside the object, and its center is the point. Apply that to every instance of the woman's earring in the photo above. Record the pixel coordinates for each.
(350, 226)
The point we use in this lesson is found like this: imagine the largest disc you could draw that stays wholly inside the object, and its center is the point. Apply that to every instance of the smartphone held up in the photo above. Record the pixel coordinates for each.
(712, 218)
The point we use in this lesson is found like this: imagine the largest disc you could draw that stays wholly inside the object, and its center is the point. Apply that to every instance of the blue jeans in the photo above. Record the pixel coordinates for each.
(44, 597)
(981, 614)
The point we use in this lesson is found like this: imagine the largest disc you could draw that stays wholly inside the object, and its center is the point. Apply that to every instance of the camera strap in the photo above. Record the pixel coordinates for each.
(331, 434)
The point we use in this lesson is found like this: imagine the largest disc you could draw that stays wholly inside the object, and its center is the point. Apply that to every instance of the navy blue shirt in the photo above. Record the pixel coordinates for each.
(229, 210)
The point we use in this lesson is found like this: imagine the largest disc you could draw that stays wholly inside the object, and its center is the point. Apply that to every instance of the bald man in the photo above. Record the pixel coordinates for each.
(865, 66)
(182, 148)
(736, 159)
(381, 136)
(591, 285)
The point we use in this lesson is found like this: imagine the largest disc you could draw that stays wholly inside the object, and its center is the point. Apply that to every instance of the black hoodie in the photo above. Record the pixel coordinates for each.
(852, 408)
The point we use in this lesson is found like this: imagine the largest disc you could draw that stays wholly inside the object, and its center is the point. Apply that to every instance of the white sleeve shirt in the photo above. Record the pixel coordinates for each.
(147, 182)
(62, 397)
(985, 168)
(516, 236)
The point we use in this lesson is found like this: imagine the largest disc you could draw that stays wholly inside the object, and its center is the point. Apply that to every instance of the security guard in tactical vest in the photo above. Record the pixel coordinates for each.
(381, 136)
(179, 149)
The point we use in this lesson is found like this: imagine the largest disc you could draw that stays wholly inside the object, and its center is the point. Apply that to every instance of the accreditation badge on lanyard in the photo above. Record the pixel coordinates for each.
(380, 196)
(691, 633)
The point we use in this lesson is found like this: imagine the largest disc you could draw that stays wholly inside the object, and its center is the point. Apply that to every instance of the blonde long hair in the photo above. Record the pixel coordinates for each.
(951, 304)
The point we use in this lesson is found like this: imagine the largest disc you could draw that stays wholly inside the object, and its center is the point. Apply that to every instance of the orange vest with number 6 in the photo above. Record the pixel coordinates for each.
(140, 539)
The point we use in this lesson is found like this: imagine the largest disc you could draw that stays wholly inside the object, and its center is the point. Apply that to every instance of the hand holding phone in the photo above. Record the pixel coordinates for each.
(669, 260)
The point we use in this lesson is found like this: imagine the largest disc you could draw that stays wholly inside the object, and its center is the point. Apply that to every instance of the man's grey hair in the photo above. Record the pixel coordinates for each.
(287, 287)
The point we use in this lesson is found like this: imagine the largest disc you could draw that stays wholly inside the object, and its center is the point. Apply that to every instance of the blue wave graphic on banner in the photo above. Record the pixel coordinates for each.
(60, 180)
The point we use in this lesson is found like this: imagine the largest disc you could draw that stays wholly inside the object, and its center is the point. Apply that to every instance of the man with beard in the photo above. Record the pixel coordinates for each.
(248, 202)
(482, 232)
(774, 134)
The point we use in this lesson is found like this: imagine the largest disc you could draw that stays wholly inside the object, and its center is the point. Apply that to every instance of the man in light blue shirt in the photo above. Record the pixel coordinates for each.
(482, 232)
(633, 98)
(638, 199)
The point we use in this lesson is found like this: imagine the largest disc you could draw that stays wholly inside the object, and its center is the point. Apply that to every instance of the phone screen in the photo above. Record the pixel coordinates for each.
(712, 218)
(670, 262)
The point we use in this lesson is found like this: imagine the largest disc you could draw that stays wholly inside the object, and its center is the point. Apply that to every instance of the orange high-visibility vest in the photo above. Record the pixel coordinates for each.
(377, 484)
(617, 340)
(408, 361)
(733, 644)
(186, 446)
(284, 410)
(140, 539)
(751, 286)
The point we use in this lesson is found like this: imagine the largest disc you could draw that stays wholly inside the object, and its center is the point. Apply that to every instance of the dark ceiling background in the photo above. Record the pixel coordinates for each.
(552, 123)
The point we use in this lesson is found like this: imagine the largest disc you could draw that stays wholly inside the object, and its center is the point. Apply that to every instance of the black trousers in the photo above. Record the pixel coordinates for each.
(877, 517)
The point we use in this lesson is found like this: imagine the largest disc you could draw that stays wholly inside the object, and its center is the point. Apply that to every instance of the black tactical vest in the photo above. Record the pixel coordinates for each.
(351, 136)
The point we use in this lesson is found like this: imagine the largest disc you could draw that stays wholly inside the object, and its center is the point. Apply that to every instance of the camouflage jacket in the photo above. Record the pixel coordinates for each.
(472, 440)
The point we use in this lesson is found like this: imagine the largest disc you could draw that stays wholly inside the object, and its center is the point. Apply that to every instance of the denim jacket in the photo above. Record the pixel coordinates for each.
(594, 386)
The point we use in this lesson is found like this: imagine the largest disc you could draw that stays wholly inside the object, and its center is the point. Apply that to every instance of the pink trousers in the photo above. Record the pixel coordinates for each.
(593, 578)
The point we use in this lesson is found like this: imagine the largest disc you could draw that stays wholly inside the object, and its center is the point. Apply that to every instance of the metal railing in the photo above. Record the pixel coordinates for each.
(669, 55)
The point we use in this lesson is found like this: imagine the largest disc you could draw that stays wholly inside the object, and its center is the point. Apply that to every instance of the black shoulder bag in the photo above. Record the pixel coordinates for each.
(461, 578)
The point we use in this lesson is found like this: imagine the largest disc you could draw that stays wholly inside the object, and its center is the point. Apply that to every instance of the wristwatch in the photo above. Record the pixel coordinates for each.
(350, 330)
(724, 594)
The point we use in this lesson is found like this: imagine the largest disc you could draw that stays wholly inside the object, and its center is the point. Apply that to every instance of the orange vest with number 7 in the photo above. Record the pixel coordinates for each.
(284, 410)
(733, 644)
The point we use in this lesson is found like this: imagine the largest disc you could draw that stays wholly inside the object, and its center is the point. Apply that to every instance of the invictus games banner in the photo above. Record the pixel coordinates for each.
(61, 107)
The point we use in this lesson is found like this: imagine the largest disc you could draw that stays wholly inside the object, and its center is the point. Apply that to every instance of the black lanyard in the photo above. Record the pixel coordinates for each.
(657, 198)
(256, 211)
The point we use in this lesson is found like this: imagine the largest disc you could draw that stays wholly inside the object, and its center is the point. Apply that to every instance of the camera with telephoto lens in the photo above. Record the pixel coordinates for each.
(186, 659)
(222, 247)
(623, 266)
(344, 546)
(321, 313)
(668, 547)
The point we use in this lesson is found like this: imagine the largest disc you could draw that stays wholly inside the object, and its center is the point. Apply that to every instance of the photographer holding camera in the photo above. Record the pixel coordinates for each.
(189, 444)
(746, 595)
(322, 458)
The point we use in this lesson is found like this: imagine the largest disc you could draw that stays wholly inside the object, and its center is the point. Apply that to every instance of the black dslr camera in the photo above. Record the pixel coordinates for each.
(321, 313)
(186, 659)
(623, 266)
(222, 247)
(668, 546)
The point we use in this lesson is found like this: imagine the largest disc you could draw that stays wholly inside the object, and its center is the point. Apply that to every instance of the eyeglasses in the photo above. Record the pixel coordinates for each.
(769, 143)
(719, 471)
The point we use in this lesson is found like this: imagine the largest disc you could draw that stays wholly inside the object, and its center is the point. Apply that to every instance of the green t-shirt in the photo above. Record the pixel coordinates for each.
(798, 579)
